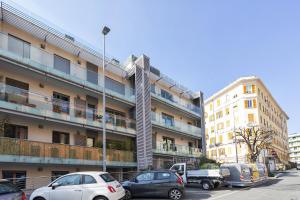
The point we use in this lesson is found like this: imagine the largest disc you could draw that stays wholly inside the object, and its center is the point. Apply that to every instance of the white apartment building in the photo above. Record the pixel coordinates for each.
(294, 147)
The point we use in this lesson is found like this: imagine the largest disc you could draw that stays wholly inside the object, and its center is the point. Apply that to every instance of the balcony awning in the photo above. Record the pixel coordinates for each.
(20, 18)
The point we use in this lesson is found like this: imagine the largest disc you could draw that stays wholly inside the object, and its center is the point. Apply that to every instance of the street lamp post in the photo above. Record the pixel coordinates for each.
(105, 31)
(235, 142)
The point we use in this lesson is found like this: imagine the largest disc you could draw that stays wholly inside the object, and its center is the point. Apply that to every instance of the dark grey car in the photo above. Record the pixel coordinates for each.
(9, 191)
(155, 184)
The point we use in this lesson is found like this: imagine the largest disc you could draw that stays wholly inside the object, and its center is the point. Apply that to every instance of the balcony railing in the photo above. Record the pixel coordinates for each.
(175, 149)
(50, 152)
(185, 106)
(43, 60)
(176, 125)
(33, 103)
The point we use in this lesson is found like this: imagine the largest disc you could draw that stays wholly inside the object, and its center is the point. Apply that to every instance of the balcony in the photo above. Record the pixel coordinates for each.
(25, 151)
(190, 108)
(42, 60)
(176, 126)
(176, 150)
(19, 100)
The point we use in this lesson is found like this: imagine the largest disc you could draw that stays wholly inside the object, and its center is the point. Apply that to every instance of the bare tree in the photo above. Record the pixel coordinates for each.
(256, 139)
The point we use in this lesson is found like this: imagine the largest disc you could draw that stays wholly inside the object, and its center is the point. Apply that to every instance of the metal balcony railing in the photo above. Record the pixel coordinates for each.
(182, 105)
(33, 103)
(176, 125)
(42, 150)
(43, 60)
(176, 149)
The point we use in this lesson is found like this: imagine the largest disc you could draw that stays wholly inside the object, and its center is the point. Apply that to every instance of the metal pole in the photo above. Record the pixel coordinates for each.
(235, 142)
(103, 109)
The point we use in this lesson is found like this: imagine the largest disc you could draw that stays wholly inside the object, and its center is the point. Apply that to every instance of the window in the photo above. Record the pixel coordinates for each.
(220, 139)
(69, 180)
(16, 177)
(16, 91)
(227, 111)
(222, 151)
(230, 136)
(107, 177)
(248, 89)
(211, 106)
(88, 179)
(250, 117)
(162, 175)
(166, 95)
(91, 73)
(250, 103)
(152, 87)
(220, 126)
(212, 141)
(148, 176)
(60, 137)
(61, 64)
(228, 123)
(57, 174)
(114, 86)
(168, 119)
(212, 129)
(219, 114)
(61, 103)
(218, 102)
(115, 117)
(7, 187)
(18, 46)
(211, 118)
(15, 131)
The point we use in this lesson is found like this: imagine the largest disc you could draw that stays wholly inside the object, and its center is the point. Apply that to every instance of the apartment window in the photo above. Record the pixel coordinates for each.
(228, 123)
(114, 86)
(249, 89)
(166, 95)
(250, 103)
(227, 111)
(211, 106)
(61, 64)
(212, 141)
(15, 131)
(16, 177)
(212, 129)
(219, 114)
(222, 151)
(220, 139)
(168, 119)
(60, 137)
(79, 107)
(218, 102)
(220, 126)
(92, 73)
(152, 87)
(61, 103)
(18, 46)
(250, 118)
(116, 116)
(169, 144)
(230, 136)
(16, 91)
(211, 118)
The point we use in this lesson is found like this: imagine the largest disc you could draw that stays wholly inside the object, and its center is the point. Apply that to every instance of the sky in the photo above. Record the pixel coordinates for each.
(203, 44)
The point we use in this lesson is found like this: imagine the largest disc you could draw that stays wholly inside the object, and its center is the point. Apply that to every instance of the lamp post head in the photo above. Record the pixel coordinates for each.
(105, 30)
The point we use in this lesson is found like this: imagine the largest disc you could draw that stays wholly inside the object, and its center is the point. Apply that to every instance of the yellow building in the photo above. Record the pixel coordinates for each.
(244, 103)
(51, 121)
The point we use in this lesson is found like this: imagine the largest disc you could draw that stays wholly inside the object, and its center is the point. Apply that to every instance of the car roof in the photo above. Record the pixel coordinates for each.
(95, 173)
(163, 170)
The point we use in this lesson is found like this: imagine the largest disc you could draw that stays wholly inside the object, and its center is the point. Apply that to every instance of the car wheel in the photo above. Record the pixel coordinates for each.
(206, 185)
(127, 194)
(175, 194)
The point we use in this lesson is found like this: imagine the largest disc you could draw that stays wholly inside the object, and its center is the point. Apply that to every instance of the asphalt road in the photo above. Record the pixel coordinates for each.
(285, 187)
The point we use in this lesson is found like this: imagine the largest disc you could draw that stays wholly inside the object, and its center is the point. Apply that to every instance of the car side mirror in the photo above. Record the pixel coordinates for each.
(55, 185)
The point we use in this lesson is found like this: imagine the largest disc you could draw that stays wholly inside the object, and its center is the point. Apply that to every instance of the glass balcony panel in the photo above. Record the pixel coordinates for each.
(43, 60)
(175, 149)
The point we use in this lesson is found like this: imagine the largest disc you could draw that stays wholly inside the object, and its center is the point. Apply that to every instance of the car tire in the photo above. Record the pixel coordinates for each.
(128, 194)
(175, 194)
(206, 185)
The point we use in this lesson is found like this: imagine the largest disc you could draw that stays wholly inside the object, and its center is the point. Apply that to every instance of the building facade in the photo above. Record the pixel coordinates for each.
(244, 103)
(294, 147)
(51, 88)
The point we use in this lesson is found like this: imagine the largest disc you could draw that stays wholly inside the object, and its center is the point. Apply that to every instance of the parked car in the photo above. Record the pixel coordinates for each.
(9, 191)
(81, 185)
(240, 174)
(298, 166)
(164, 183)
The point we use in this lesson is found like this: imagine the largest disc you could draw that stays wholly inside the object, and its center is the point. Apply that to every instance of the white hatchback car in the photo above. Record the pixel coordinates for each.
(81, 186)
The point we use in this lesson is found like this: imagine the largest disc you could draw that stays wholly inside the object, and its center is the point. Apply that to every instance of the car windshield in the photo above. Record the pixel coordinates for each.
(7, 187)
(107, 177)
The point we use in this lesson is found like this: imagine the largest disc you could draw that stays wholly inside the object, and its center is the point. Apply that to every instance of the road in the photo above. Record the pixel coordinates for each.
(285, 187)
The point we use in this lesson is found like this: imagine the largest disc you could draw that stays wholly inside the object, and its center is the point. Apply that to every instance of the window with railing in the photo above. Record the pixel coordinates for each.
(92, 73)
(168, 119)
(166, 95)
(114, 86)
(17, 91)
(60, 137)
(18, 46)
(61, 103)
(61, 64)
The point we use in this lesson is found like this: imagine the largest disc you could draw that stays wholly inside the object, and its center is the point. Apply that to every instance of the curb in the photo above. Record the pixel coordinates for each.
(278, 175)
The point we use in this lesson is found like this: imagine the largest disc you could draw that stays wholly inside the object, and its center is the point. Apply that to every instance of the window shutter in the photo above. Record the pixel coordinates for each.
(246, 104)
(253, 89)
(245, 89)
(254, 103)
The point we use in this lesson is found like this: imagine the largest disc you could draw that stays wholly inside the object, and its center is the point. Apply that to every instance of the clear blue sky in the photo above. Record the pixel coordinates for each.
(203, 44)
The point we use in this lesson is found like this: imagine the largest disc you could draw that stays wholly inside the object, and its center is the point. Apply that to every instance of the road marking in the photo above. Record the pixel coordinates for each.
(224, 195)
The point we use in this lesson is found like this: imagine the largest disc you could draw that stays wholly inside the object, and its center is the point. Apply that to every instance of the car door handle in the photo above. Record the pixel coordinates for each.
(77, 190)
